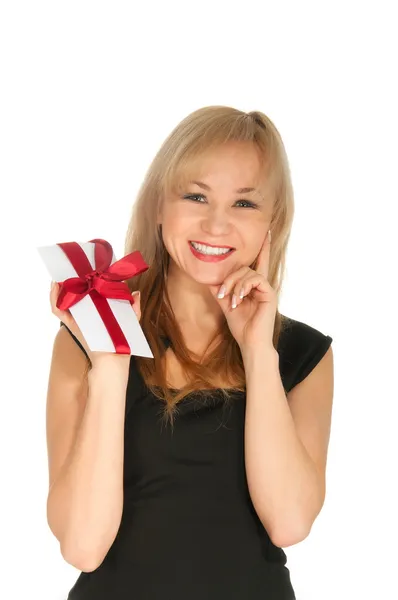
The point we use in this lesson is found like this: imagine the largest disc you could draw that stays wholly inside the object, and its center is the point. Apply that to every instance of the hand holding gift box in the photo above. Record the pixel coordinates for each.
(92, 287)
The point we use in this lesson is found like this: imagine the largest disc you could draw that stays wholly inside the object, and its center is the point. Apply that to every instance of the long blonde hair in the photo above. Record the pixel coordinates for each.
(202, 130)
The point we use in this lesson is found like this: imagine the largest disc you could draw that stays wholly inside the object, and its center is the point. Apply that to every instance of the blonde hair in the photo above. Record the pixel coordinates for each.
(201, 131)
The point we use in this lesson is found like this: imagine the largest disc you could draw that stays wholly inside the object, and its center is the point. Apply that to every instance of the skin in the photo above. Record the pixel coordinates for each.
(286, 438)
(221, 217)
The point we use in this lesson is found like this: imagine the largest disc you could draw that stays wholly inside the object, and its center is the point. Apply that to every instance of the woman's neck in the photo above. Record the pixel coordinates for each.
(193, 304)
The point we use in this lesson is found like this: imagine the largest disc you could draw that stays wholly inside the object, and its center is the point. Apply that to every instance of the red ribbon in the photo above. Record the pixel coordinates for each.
(105, 281)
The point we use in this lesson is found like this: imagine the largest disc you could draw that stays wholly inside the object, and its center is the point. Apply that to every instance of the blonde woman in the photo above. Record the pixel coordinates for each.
(184, 476)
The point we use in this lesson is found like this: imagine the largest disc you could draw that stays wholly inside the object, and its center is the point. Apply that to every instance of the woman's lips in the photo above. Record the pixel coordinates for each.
(211, 245)
(210, 257)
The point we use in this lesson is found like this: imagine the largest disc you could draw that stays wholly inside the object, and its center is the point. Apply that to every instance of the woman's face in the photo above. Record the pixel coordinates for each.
(213, 212)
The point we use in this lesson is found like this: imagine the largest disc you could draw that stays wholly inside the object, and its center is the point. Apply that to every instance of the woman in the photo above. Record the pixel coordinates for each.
(183, 476)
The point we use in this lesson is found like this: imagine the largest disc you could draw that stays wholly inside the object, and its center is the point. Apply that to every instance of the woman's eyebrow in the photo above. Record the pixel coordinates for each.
(244, 190)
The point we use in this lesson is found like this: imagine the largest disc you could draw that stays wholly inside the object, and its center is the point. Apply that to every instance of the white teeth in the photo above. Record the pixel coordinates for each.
(209, 250)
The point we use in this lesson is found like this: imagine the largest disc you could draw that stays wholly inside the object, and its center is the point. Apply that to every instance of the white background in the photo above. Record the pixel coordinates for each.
(89, 90)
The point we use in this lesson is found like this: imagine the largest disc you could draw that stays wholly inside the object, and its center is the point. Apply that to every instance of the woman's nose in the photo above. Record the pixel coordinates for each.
(217, 222)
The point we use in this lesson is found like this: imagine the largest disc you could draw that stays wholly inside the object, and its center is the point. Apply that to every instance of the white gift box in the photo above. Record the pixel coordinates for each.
(85, 311)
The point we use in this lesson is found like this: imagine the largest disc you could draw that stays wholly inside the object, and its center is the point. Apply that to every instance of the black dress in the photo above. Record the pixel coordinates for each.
(189, 530)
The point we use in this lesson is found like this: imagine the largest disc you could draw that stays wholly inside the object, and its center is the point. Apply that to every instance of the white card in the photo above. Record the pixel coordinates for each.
(85, 313)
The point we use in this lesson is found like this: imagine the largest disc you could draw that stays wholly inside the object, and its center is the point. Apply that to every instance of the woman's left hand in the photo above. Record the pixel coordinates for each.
(252, 320)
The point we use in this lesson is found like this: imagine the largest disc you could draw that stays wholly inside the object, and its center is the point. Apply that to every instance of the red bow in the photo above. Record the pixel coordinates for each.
(105, 281)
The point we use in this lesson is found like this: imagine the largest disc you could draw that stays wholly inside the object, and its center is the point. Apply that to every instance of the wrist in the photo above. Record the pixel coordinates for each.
(254, 358)
(109, 361)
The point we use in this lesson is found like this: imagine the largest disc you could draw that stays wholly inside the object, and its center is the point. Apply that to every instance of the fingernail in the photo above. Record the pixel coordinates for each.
(234, 301)
(221, 292)
(241, 293)
(269, 234)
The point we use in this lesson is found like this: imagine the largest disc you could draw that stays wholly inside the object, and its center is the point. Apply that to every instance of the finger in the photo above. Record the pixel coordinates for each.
(54, 292)
(230, 281)
(262, 266)
(63, 315)
(238, 291)
(224, 302)
(243, 287)
(137, 304)
(66, 317)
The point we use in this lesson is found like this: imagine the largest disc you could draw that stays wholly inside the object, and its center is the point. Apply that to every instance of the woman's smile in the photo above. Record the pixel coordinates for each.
(209, 253)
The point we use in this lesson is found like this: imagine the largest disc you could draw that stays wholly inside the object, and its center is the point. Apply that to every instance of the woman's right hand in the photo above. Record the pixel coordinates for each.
(66, 317)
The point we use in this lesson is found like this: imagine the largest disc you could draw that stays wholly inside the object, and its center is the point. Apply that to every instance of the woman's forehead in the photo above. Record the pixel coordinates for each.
(198, 174)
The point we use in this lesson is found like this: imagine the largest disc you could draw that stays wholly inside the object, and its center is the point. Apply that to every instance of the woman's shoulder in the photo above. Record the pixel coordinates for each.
(300, 347)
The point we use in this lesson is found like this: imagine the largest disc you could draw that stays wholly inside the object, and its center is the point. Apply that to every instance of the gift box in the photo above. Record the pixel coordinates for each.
(93, 288)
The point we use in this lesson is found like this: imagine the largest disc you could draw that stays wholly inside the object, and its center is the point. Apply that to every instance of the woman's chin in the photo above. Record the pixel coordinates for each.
(208, 278)
(207, 273)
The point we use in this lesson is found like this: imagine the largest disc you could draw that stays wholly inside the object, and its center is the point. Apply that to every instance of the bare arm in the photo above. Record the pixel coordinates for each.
(85, 443)
(286, 446)
(85, 500)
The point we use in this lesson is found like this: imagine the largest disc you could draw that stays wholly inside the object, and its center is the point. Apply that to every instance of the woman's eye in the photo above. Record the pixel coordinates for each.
(249, 204)
(202, 197)
(192, 196)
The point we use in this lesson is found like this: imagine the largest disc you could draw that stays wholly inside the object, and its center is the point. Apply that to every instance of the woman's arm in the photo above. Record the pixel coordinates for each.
(85, 499)
(285, 478)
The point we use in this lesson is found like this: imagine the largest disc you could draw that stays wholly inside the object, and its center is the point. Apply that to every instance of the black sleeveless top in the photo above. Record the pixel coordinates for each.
(189, 530)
